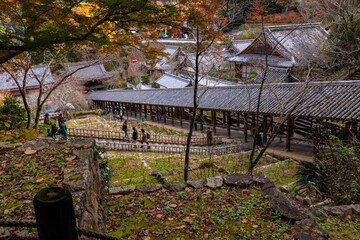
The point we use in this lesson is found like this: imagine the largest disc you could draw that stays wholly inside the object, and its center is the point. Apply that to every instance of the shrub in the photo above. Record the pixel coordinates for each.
(12, 113)
(20, 135)
(335, 173)
(145, 79)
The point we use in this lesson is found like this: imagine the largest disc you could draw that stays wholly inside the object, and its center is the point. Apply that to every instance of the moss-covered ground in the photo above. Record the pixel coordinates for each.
(226, 213)
(22, 176)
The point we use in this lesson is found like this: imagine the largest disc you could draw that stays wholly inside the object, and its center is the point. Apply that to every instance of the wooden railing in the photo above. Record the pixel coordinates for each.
(155, 138)
(168, 148)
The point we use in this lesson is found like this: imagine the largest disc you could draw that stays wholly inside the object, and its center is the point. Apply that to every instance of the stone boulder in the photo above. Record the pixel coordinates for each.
(34, 145)
(285, 206)
(196, 184)
(8, 145)
(4, 233)
(148, 188)
(310, 226)
(260, 178)
(339, 211)
(214, 182)
(238, 180)
(303, 236)
(83, 143)
(356, 209)
(122, 190)
(176, 186)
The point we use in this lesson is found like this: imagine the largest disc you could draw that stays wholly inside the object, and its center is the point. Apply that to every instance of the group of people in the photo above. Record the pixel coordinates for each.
(53, 128)
(145, 136)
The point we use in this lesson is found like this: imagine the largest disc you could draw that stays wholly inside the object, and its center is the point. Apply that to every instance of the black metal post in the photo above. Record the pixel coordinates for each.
(55, 216)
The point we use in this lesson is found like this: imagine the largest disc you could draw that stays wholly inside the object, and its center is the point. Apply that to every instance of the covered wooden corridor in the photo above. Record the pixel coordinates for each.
(335, 104)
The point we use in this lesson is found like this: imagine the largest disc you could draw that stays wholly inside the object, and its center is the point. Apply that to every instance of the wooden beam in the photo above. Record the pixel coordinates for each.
(157, 113)
(181, 116)
(201, 120)
(229, 124)
(245, 127)
(145, 112)
(164, 114)
(265, 128)
(224, 118)
(238, 120)
(213, 117)
(289, 133)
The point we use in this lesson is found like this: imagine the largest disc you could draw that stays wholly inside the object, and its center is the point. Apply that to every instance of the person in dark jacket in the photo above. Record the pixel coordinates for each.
(47, 122)
(135, 135)
(125, 129)
(53, 131)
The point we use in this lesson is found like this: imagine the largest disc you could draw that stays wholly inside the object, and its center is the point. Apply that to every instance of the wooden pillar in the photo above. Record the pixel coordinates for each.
(238, 120)
(201, 120)
(354, 128)
(229, 124)
(265, 128)
(271, 124)
(140, 111)
(253, 119)
(151, 113)
(289, 133)
(213, 117)
(127, 111)
(224, 118)
(145, 111)
(164, 113)
(135, 110)
(172, 115)
(181, 116)
(157, 113)
(245, 127)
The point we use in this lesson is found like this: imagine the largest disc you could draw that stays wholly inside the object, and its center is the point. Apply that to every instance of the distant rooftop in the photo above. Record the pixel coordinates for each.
(91, 71)
(39, 71)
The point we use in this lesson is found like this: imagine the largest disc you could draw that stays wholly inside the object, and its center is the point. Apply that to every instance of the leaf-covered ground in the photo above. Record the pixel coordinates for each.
(226, 213)
(22, 176)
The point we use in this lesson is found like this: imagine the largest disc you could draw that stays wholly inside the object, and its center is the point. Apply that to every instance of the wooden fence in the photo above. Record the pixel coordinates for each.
(169, 148)
(155, 138)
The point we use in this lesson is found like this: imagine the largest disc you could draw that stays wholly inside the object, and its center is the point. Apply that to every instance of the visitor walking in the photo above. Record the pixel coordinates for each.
(144, 138)
(63, 130)
(125, 129)
(60, 119)
(47, 122)
(121, 114)
(53, 130)
(134, 135)
(209, 137)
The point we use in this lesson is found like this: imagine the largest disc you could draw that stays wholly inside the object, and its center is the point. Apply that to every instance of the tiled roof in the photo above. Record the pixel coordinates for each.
(257, 59)
(273, 75)
(40, 71)
(142, 86)
(296, 40)
(95, 71)
(328, 100)
(172, 81)
(239, 45)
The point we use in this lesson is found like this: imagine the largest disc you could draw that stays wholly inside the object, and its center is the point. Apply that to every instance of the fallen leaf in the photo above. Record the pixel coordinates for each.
(29, 152)
(27, 201)
(255, 226)
(188, 220)
(180, 227)
(19, 165)
(170, 219)
(40, 180)
(146, 238)
(159, 216)
(70, 158)
(173, 205)
(244, 221)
